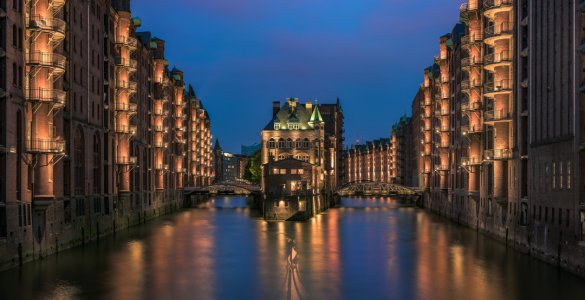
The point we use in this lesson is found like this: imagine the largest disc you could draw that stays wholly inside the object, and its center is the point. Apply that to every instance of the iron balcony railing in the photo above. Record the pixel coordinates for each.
(472, 38)
(160, 128)
(126, 85)
(442, 144)
(441, 96)
(126, 62)
(499, 114)
(426, 171)
(161, 112)
(471, 61)
(441, 112)
(425, 153)
(126, 129)
(467, 7)
(126, 160)
(46, 59)
(45, 95)
(161, 167)
(425, 128)
(441, 56)
(442, 128)
(473, 129)
(471, 161)
(441, 167)
(425, 102)
(425, 114)
(38, 22)
(127, 41)
(495, 58)
(469, 84)
(497, 154)
(498, 29)
(161, 144)
(497, 86)
(470, 106)
(493, 4)
(129, 107)
(45, 146)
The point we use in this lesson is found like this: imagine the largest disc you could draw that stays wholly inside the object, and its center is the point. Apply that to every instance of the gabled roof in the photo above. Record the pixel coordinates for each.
(176, 70)
(291, 111)
(217, 146)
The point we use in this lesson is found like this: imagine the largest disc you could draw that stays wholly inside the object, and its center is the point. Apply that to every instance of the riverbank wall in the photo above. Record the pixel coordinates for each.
(75, 221)
(558, 243)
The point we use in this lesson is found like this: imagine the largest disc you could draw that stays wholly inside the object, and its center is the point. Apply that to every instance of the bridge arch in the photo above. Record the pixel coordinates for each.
(367, 187)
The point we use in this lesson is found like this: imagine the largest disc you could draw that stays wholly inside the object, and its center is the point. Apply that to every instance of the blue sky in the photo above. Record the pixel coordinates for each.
(240, 55)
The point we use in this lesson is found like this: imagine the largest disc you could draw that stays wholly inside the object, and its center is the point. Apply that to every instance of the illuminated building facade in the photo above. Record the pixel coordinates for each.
(95, 135)
(500, 130)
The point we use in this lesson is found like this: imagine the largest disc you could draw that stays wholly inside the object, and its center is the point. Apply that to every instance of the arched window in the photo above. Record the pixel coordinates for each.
(281, 157)
(96, 163)
(289, 144)
(79, 163)
(281, 143)
(14, 35)
(298, 144)
(307, 144)
(271, 144)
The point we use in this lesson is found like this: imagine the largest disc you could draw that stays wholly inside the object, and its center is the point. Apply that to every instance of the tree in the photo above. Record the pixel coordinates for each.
(253, 171)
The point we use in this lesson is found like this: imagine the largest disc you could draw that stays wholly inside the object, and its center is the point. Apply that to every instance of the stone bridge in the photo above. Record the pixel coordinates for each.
(238, 187)
(376, 188)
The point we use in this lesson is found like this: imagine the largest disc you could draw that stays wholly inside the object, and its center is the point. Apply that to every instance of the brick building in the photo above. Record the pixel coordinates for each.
(332, 115)
(93, 134)
(241, 161)
(295, 131)
(501, 129)
(383, 160)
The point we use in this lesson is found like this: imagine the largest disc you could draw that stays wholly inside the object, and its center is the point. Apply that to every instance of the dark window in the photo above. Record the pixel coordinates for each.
(19, 215)
(14, 35)
(67, 211)
(2, 222)
(79, 163)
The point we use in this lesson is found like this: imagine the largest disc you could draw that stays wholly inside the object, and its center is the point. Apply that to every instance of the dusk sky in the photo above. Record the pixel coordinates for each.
(239, 56)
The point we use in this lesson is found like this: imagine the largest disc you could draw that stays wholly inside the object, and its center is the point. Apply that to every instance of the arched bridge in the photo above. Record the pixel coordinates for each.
(239, 187)
(375, 188)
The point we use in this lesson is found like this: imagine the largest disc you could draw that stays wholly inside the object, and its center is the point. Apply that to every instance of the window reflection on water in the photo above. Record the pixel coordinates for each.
(370, 248)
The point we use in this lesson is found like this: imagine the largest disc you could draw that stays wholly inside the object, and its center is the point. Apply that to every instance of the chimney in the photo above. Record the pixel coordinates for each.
(309, 106)
(275, 107)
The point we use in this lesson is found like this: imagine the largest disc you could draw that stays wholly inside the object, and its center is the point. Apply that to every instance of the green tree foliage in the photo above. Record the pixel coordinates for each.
(253, 172)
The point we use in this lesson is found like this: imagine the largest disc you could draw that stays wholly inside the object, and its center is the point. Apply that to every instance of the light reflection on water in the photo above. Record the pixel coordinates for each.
(370, 248)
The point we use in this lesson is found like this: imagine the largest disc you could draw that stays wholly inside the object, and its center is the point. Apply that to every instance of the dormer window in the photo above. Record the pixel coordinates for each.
(276, 126)
(293, 126)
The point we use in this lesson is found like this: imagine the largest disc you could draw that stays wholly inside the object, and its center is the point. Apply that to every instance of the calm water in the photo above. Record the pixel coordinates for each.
(366, 249)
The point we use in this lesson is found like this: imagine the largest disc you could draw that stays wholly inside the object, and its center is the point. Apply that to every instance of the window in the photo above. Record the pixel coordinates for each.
(306, 144)
(20, 38)
(275, 171)
(298, 144)
(19, 215)
(300, 171)
(288, 144)
(282, 171)
(14, 35)
(19, 76)
(561, 174)
(14, 74)
(79, 163)
(293, 125)
(568, 174)
(281, 143)
(554, 175)
(271, 144)
(276, 126)
(293, 171)
(96, 164)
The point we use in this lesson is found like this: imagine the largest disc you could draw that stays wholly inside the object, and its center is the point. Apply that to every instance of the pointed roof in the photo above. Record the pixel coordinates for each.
(176, 70)
(293, 117)
(290, 109)
(156, 39)
(217, 146)
(191, 92)
(316, 116)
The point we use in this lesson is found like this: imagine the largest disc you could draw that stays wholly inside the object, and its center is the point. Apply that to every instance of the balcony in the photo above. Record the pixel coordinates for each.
(179, 140)
(490, 89)
(467, 86)
(161, 145)
(53, 26)
(501, 59)
(163, 129)
(425, 102)
(425, 153)
(441, 168)
(48, 146)
(499, 115)
(440, 58)
(468, 131)
(425, 128)
(126, 85)
(470, 40)
(493, 33)
(424, 86)
(471, 161)
(126, 160)
(127, 63)
(468, 8)
(442, 128)
(498, 154)
(127, 107)
(426, 171)
(470, 62)
(48, 96)
(161, 167)
(492, 7)
(54, 61)
(442, 145)
(425, 115)
(163, 99)
(129, 42)
(161, 113)
(441, 112)
(440, 96)
(470, 107)
(126, 129)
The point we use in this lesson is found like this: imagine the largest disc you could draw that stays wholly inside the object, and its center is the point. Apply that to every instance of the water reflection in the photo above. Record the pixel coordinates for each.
(367, 249)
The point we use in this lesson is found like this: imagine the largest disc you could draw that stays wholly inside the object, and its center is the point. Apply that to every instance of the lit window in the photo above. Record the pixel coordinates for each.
(277, 126)
(300, 171)
(275, 171)
(293, 171)
(282, 171)
(293, 125)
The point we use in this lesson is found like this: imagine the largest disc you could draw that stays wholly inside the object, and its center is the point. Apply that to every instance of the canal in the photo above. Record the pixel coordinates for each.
(369, 248)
